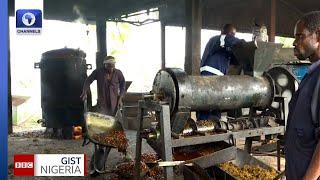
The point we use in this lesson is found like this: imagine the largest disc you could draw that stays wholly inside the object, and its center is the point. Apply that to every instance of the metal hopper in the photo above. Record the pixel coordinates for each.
(208, 164)
(100, 124)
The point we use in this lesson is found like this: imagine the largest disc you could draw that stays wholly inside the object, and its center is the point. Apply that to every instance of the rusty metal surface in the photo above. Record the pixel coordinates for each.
(224, 92)
(190, 127)
(179, 120)
(165, 135)
(195, 172)
(194, 152)
(285, 85)
(166, 143)
(206, 126)
(264, 56)
(284, 80)
(216, 157)
(226, 136)
(164, 79)
(137, 167)
(213, 92)
(241, 159)
(214, 127)
(233, 154)
(168, 78)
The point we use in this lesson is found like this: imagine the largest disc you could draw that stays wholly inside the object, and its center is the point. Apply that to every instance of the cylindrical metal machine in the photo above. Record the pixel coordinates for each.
(212, 92)
(63, 73)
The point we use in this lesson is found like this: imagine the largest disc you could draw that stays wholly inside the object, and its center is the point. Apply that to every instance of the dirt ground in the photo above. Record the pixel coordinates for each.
(40, 145)
(29, 139)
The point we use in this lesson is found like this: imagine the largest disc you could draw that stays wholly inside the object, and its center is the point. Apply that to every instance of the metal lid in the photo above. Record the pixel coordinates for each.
(64, 53)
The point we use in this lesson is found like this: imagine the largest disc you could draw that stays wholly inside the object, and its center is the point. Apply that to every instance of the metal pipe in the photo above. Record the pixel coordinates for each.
(212, 92)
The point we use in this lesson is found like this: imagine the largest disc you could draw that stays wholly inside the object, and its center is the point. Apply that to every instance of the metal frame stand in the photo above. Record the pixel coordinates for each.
(165, 135)
(167, 142)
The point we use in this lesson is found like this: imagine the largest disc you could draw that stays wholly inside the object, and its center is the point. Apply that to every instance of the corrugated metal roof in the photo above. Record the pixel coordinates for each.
(215, 12)
(242, 13)
(70, 10)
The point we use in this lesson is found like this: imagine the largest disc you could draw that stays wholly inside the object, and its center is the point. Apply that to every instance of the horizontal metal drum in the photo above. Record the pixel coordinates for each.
(212, 92)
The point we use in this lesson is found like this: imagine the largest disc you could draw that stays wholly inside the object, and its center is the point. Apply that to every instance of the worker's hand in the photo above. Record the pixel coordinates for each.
(309, 176)
(120, 103)
(256, 43)
(83, 95)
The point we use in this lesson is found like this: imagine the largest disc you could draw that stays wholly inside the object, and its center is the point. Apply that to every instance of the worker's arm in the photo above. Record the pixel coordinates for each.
(122, 87)
(86, 86)
(313, 171)
(236, 41)
(208, 50)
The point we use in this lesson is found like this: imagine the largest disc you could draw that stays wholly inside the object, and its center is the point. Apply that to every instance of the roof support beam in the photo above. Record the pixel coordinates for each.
(163, 45)
(101, 41)
(273, 16)
(101, 30)
(292, 7)
(193, 36)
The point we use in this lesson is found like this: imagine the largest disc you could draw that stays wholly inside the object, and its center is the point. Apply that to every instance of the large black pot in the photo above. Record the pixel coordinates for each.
(63, 72)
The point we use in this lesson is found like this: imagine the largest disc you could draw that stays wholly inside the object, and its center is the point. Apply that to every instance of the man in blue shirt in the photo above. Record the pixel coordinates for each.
(216, 59)
(302, 148)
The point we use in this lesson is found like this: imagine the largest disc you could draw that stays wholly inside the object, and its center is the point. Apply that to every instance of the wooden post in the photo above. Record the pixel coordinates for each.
(163, 45)
(273, 20)
(193, 36)
(101, 42)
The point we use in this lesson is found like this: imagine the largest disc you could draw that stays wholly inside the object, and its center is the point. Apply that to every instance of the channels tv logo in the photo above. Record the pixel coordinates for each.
(28, 21)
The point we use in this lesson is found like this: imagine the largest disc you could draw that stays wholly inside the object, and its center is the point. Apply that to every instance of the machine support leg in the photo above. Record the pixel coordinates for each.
(283, 110)
(139, 144)
(278, 155)
(165, 136)
(248, 144)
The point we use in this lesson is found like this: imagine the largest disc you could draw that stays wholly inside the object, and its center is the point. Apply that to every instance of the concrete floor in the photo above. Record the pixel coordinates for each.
(35, 143)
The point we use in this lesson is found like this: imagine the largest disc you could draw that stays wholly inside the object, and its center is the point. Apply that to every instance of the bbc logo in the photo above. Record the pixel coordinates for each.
(23, 165)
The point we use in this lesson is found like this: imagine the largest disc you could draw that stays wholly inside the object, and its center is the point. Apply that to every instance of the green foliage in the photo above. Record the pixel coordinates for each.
(119, 33)
(287, 42)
